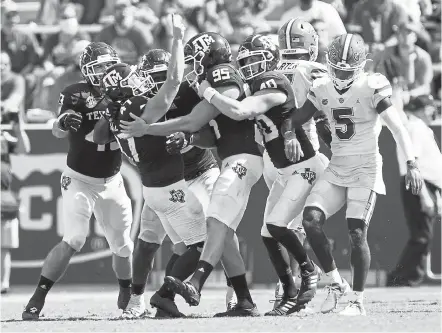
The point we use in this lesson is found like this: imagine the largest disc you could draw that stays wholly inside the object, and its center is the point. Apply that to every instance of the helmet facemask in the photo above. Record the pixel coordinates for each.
(256, 65)
(139, 85)
(95, 70)
(343, 74)
(198, 69)
(158, 74)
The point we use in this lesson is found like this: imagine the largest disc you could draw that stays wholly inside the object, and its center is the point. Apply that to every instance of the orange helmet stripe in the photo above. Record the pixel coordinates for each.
(347, 43)
(287, 33)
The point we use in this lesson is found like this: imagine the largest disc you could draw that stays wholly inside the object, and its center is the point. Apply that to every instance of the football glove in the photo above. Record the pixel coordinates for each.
(71, 122)
(177, 142)
(112, 111)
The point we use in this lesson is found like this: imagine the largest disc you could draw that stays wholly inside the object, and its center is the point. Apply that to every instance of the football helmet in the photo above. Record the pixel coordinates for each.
(346, 60)
(203, 51)
(95, 59)
(121, 81)
(296, 38)
(155, 63)
(256, 55)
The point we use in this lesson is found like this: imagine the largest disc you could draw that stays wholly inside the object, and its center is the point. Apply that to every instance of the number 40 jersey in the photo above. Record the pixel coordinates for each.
(353, 115)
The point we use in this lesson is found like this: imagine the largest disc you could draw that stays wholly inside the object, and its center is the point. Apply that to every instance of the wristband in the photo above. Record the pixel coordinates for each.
(208, 94)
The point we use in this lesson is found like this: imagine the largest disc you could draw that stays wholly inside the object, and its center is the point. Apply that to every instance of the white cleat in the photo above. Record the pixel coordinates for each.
(136, 308)
(335, 292)
(279, 293)
(354, 308)
(231, 300)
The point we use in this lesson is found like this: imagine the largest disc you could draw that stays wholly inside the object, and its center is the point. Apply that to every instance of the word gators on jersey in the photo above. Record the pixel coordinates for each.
(354, 115)
(156, 166)
(233, 137)
(85, 156)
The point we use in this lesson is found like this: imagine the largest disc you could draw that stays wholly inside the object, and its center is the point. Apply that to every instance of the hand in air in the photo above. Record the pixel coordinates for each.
(176, 142)
(135, 128)
(413, 178)
(178, 26)
(293, 150)
(202, 88)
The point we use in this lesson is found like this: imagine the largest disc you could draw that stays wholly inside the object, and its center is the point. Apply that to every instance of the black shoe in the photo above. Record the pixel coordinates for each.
(123, 297)
(309, 285)
(165, 304)
(286, 307)
(241, 310)
(4, 291)
(161, 314)
(185, 289)
(32, 310)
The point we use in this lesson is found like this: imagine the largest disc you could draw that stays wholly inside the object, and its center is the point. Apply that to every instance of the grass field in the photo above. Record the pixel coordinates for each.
(93, 309)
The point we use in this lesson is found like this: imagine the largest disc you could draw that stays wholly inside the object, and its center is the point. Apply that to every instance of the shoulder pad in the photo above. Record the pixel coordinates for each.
(377, 81)
(224, 75)
(133, 105)
(271, 80)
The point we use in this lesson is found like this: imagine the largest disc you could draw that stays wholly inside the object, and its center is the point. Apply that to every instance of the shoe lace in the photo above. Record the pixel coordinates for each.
(331, 288)
(231, 304)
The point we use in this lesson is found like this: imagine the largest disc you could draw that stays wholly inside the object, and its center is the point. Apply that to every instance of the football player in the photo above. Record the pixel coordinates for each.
(355, 102)
(209, 55)
(271, 103)
(298, 42)
(91, 182)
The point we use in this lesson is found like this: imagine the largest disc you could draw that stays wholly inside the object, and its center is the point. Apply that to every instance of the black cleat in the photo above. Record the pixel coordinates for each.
(185, 289)
(161, 314)
(32, 310)
(286, 307)
(309, 285)
(123, 297)
(241, 310)
(166, 305)
(4, 291)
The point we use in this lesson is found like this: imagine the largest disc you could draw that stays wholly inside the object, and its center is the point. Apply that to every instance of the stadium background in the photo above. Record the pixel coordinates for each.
(36, 178)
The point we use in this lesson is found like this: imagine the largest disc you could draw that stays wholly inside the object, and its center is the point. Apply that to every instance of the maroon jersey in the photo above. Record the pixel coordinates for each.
(233, 137)
(85, 156)
(156, 166)
(196, 160)
(270, 123)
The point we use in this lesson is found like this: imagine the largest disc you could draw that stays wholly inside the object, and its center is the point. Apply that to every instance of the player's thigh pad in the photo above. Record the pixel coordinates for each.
(360, 203)
(113, 211)
(79, 200)
(9, 234)
(151, 228)
(232, 189)
(202, 186)
(181, 208)
(327, 197)
(298, 180)
(270, 172)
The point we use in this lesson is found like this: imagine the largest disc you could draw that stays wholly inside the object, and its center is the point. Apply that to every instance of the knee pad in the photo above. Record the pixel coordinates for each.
(76, 242)
(125, 250)
(179, 248)
(198, 246)
(265, 231)
(312, 217)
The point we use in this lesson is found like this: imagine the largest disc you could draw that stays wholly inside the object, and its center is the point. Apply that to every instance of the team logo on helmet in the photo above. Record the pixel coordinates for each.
(202, 43)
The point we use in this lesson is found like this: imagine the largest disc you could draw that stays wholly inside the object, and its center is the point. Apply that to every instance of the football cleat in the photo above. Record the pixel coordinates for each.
(286, 306)
(231, 299)
(185, 289)
(165, 304)
(32, 310)
(123, 297)
(279, 293)
(161, 314)
(354, 308)
(335, 292)
(240, 310)
(309, 285)
(136, 308)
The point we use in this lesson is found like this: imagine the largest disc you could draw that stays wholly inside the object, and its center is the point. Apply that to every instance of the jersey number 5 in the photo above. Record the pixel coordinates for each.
(345, 126)
(221, 74)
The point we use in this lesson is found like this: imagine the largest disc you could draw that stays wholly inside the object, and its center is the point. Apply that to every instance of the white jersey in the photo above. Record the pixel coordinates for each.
(354, 121)
(301, 75)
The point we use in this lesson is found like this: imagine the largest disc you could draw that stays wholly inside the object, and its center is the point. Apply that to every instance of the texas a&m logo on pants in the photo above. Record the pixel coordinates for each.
(240, 170)
(309, 175)
(65, 181)
(177, 196)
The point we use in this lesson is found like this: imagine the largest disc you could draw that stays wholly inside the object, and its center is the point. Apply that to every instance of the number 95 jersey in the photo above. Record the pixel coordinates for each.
(353, 116)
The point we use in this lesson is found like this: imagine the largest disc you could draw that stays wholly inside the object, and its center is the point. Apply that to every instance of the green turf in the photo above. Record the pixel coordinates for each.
(94, 309)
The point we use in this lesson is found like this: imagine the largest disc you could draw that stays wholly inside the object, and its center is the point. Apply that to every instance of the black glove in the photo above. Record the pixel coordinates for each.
(112, 111)
(176, 142)
(71, 122)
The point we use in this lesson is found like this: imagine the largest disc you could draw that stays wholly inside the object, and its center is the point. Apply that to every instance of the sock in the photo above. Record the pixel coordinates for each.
(170, 263)
(143, 257)
(202, 272)
(334, 276)
(138, 289)
(229, 284)
(292, 243)
(239, 284)
(43, 287)
(359, 296)
(186, 264)
(124, 283)
(288, 285)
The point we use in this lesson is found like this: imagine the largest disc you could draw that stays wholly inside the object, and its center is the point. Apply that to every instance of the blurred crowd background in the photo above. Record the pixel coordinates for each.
(41, 40)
